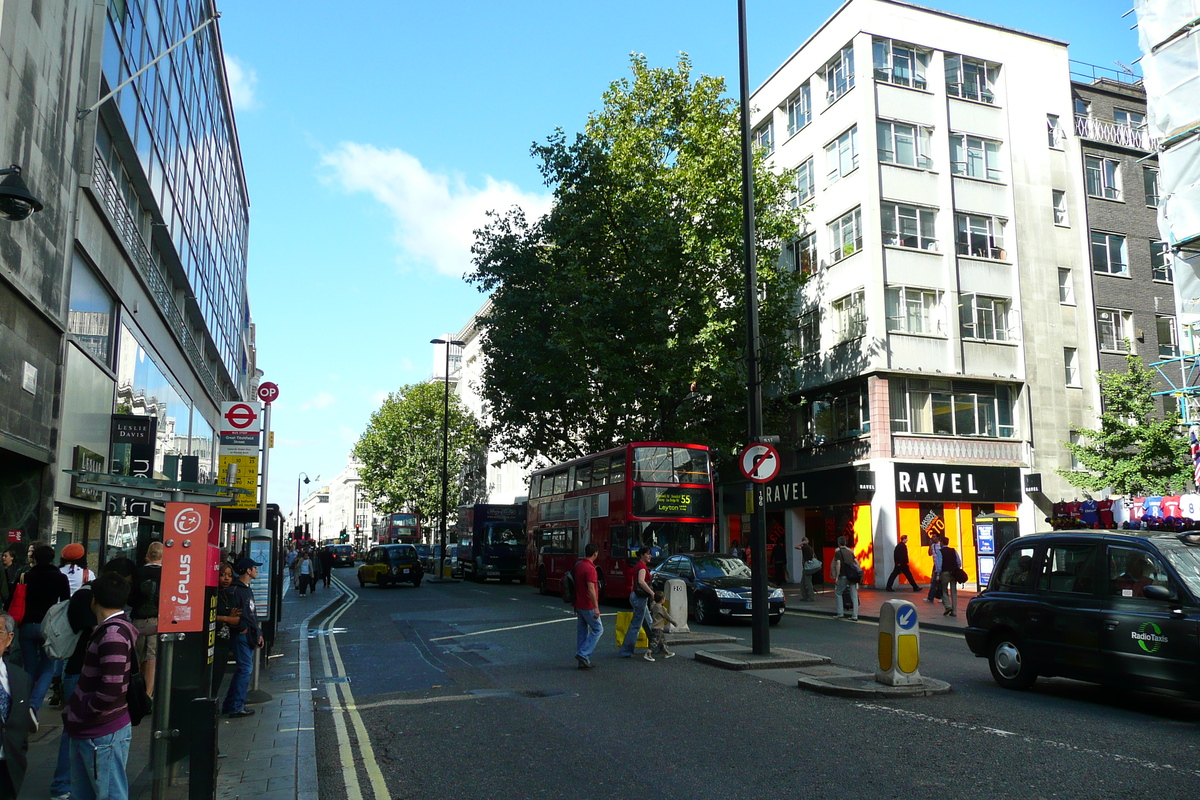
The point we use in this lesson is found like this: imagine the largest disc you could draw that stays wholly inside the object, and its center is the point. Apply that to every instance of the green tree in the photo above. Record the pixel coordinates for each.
(1134, 452)
(401, 450)
(619, 315)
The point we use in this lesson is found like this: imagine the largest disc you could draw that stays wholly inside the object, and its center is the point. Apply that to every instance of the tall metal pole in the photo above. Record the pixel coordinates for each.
(266, 456)
(445, 457)
(761, 643)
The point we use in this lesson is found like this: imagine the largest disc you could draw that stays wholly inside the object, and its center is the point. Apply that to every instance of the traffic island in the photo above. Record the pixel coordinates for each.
(689, 638)
(741, 658)
(843, 682)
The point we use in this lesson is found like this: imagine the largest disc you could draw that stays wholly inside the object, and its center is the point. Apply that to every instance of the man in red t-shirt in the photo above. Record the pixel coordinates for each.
(588, 629)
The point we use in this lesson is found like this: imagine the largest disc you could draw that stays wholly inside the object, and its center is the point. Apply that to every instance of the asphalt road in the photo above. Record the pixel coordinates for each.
(505, 713)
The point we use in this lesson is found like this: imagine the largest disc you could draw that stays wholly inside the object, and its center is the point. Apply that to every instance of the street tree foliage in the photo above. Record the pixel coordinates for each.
(401, 450)
(1133, 452)
(619, 315)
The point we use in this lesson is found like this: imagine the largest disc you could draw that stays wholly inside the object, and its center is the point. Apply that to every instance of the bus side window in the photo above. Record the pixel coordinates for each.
(560, 482)
(616, 473)
(600, 472)
(583, 476)
(547, 486)
(535, 487)
(572, 541)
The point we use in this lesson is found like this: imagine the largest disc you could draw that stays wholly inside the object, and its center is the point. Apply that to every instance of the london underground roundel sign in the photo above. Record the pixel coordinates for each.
(240, 416)
(759, 462)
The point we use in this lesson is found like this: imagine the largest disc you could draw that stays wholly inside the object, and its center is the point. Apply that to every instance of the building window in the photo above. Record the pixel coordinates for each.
(984, 318)
(1066, 290)
(1108, 253)
(1168, 342)
(971, 79)
(91, 314)
(1134, 120)
(799, 109)
(849, 320)
(805, 183)
(808, 333)
(1103, 177)
(802, 254)
(951, 408)
(1161, 266)
(764, 136)
(1054, 131)
(839, 74)
(1076, 439)
(975, 157)
(979, 236)
(1060, 207)
(899, 64)
(831, 417)
(1150, 183)
(909, 226)
(909, 145)
(846, 235)
(841, 155)
(1071, 365)
(1112, 327)
(912, 310)
(1082, 107)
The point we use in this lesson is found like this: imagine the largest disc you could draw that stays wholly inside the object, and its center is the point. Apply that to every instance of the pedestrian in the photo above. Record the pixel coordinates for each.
(8, 576)
(83, 621)
(659, 626)
(16, 715)
(950, 566)
(779, 562)
(44, 586)
(74, 566)
(246, 637)
(314, 565)
(28, 565)
(227, 619)
(900, 565)
(144, 605)
(935, 580)
(304, 573)
(326, 565)
(734, 551)
(640, 593)
(588, 627)
(847, 573)
(807, 570)
(97, 716)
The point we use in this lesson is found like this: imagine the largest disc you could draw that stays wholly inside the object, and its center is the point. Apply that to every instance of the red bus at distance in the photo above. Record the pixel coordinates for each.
(657, 494)
(401, 529)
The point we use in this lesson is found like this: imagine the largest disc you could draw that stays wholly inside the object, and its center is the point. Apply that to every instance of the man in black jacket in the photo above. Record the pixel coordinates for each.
(245, 637)
(900, 557)
(16, 715)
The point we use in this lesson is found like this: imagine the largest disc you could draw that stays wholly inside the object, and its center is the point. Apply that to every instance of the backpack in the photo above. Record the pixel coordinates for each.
(60, 639)
(850, 569)
(137, 702)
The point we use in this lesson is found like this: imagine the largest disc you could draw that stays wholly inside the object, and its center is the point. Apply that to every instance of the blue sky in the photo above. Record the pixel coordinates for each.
(375, 133)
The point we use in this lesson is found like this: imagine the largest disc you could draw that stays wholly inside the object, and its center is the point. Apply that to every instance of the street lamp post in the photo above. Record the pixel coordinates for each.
(306, 480)
(445, 446)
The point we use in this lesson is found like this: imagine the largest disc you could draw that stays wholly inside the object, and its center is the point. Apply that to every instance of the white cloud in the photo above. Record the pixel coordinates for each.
(242, 81)
(435, 214)
(347, 434)
(321, 400)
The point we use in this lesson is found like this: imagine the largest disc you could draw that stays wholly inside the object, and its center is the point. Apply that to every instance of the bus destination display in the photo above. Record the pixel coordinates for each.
(666, 501)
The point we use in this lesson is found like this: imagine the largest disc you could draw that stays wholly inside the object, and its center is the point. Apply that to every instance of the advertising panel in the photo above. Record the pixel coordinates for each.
(181, 600)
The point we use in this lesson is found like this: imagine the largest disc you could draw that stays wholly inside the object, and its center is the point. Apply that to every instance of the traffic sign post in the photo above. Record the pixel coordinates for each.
(899, 644)
(268, 392)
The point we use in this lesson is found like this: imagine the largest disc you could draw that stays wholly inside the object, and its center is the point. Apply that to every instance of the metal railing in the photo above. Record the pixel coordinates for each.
(933, 447)
(1110, 132)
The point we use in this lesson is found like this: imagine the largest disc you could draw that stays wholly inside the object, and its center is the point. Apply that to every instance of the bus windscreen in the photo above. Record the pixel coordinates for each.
(662, 464)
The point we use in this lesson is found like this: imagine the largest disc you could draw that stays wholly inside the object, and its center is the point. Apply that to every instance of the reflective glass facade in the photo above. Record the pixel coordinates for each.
(179, 121)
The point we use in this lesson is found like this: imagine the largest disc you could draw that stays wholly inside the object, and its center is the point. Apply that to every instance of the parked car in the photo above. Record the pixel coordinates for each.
(343, 555)
(391, 563)
(718, 586)
(1112, 607)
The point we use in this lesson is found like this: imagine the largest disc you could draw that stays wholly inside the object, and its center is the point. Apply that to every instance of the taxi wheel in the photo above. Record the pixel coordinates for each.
(705, 613)
(361, 582)
(416, 581)
(383, 580)
(1010, 663)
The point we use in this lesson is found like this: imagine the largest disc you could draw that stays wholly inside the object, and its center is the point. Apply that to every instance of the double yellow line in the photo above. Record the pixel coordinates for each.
(343, 705)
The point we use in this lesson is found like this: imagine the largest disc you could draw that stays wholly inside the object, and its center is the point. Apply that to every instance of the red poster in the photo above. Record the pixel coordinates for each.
(185, 554)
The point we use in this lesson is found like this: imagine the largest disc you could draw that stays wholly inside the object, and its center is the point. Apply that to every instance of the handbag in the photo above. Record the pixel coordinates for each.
(16, 609)
(812, 566)
(960, 575)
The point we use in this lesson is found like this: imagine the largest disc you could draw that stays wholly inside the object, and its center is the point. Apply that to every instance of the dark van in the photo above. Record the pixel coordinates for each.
(1120, 607)
(343, 555)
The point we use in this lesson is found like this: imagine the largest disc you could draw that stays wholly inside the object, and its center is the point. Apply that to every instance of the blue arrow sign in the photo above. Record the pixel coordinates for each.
(906, 617)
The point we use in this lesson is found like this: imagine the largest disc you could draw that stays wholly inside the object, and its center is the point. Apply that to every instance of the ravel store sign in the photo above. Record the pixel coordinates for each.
(185, 555)
(829, 487)
(958, 483)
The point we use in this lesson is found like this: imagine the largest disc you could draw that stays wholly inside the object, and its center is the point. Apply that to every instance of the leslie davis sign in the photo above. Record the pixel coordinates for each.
(185, 544)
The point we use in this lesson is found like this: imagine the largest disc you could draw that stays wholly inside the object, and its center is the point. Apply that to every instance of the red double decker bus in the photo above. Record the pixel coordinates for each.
(401, 529)
(658, 494)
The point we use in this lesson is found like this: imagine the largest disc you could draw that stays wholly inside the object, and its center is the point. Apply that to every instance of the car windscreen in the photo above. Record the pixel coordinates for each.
(720, 567)
(423, 549)
(1185, 558)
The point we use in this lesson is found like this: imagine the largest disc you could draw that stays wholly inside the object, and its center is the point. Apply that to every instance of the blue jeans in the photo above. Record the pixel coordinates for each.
(98, 766)
(588, 631)
(243, 654)
(62, 771)
(39, 665)
(640, 620)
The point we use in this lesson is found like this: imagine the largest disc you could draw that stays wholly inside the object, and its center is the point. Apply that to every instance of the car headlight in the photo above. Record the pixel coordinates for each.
(777, 594)
(725, 594)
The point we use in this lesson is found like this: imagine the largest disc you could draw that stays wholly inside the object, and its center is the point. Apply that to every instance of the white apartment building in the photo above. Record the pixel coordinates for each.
(947, 322)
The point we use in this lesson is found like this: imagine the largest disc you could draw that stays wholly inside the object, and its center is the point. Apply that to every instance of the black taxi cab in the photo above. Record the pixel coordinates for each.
(391, 563)
(1120, 608)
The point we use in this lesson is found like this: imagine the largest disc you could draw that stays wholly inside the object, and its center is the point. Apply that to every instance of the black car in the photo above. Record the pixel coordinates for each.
(343, 555)
(1120, 608)
(718, 586)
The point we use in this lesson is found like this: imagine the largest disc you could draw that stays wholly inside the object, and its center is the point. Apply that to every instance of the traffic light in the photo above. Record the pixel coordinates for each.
(343, 537)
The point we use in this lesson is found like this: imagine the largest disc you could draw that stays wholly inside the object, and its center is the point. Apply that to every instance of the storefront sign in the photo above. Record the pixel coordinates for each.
(824, 488)
(14, 536)
(132, 453)
(181, 601)
(85, 460)
(958, 483)
(1033, 483)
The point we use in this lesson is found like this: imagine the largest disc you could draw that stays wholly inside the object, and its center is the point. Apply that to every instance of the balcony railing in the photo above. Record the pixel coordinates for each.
(958, 449)
(824, 455)
(1109, 132)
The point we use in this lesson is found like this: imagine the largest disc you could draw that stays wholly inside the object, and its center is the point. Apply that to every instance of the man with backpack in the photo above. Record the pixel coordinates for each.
(144, 605)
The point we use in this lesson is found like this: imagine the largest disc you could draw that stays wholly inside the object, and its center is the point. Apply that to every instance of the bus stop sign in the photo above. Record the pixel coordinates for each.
(759, 462)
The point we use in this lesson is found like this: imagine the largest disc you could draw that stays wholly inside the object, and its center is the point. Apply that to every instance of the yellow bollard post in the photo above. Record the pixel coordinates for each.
(899, 644)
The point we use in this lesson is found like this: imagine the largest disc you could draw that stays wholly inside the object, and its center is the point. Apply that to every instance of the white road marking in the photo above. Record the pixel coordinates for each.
(1003, 734)
(511, 628)
(410, 701)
